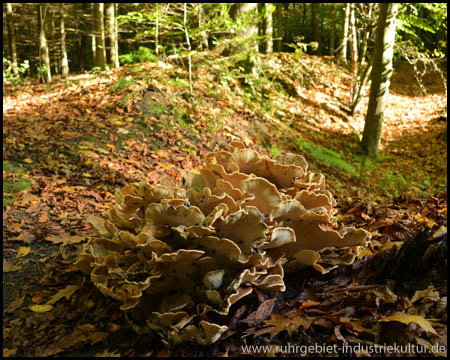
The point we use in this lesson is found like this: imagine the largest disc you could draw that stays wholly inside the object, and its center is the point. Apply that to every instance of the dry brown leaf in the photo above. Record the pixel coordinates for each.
(406, 319)
(9, 352)
(27, 200)
(8, 267)
(14, 305)
(67, 292)
(43, 218)
(65, 239)
(289, 322)
(429, 293)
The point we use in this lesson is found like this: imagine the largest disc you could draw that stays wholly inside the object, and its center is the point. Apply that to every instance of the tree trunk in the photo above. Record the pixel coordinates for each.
(269, 28)
(249, 29)
(344, 40)
(353, 39)
(333, 26)
(44, 56)
(367, 32)
(99, 32)
(189, 46)
(381, 73)
(110, 34)
(12, 38)
(279, 41)
(64, 61)
(116, 37)
(315, 28)
(157, 31)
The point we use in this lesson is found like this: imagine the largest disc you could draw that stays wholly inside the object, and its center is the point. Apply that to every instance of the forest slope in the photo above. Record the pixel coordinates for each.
(69, 145)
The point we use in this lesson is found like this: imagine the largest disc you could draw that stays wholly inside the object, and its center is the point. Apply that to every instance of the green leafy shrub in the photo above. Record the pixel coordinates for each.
(143, 54)
(9, 75)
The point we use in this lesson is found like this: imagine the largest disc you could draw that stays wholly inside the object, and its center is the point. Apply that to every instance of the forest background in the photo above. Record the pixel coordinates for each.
(97, 95)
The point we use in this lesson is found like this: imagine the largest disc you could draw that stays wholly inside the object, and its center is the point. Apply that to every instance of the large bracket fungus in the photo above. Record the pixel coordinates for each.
(174, 257)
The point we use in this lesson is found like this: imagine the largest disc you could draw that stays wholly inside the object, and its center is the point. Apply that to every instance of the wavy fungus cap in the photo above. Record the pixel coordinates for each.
(174, 256)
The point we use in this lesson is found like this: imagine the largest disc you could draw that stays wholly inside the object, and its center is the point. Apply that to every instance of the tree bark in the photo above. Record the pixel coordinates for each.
(333, 26)
(116, 31)
(353, 39)
(44, 55)
(110, 34)
(269, 28)
(279, 28)
(64, 61)
(99, 32)
(381, 73)
(249, 29)
(315, 28)
(344, 40)
(12, 38)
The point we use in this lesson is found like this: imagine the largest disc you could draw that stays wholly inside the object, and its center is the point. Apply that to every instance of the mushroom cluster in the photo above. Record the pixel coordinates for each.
(178, 258)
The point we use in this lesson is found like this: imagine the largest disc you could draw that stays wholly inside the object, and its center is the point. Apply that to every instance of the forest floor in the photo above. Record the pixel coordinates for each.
(69, 145)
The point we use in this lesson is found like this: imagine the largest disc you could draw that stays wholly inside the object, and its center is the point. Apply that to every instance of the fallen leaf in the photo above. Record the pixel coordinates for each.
(67, 292)
(28, 161)
(9, 352)
(37, 299)
(107, 353)
(41, 308)
(43, 218)
(406, 319)
(15, 304)
(23, 251)
(263, 312)
(25, 237)
(290, 322)
(15, 228)
(65, 239)
(429, 293)
(8, 267)
(27, 199)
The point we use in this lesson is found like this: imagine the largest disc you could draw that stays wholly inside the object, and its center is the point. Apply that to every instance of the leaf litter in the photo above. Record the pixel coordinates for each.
(153, 129)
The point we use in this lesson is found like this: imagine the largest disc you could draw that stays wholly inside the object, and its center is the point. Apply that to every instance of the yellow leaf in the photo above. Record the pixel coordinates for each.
(101, 150)
(15, 228)
(166, 166)
(357, 325)
(67, 292)
(28, 161)
(289, 322)
(27, 199)
(65, 239)
(8, 267)
(9, 352)
(111, 146)
(23, 251)
(86, 175)
(41, 308)
(406, 319)
(429, 293)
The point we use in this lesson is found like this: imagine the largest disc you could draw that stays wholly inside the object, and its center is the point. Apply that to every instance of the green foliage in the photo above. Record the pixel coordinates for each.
(424, 27)
(13, 186)
(22, 69)
(274, 151)
(301, 47)
(144, 54)
(325, 156)
(95, 70)
(121, 84)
